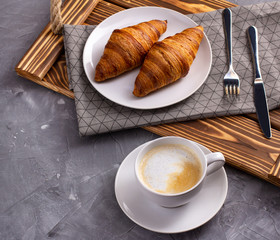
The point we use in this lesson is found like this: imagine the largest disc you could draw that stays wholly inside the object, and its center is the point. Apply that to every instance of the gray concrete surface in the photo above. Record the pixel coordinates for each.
(56, 185)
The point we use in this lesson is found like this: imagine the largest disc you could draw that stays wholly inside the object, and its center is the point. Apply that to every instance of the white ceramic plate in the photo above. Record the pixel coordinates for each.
(119, 89)
(169, 220)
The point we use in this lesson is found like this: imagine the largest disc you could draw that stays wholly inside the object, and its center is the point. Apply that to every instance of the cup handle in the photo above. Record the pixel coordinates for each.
(214, 162)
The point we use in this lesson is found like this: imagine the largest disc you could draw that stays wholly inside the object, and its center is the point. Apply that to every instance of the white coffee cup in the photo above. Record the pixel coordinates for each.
(157, 150)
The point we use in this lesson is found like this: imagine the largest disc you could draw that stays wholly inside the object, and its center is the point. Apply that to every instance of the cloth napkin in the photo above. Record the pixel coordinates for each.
(96, 114)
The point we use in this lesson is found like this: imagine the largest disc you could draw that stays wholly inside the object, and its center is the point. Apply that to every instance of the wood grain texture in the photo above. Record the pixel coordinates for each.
(238, 138)
(274, 118)
(274, 173)
(57, 76)
(183, 6)
(102, 11)
(47, 47)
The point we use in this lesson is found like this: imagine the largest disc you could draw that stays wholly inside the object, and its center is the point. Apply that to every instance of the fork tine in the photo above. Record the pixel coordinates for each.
(226, 89)
(230, 89)
(238, 90)
(234, 89)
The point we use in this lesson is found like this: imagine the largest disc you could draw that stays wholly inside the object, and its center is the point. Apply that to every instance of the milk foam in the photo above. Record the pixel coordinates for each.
(165, 168)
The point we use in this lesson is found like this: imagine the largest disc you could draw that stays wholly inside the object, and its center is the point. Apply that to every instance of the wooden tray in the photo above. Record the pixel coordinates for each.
(238, 137)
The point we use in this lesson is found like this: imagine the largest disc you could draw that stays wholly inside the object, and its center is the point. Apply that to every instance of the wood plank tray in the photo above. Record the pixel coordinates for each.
(238, 137)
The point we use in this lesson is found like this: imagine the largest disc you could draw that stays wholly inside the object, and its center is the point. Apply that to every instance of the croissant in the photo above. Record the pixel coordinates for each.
(168, 60)
(127, 47)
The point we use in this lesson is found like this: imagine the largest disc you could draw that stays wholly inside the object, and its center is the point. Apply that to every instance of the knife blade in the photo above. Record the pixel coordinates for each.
(259, 90)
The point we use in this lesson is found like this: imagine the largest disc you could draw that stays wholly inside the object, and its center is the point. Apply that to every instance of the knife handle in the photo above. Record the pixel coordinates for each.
(253, 37)
(227, 16)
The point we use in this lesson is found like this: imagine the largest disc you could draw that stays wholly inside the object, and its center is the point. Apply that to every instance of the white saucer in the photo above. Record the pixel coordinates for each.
(168, 220)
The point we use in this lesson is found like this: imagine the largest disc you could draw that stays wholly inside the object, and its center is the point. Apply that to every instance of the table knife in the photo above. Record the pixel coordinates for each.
(259, 90)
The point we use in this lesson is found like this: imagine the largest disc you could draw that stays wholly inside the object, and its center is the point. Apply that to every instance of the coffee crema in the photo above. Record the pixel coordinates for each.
(170, 168)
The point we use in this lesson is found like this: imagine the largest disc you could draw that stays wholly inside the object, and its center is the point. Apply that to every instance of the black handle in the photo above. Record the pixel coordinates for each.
(227, 16)
(253, 37)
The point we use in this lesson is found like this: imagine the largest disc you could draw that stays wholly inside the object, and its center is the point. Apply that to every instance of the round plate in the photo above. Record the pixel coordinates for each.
(168, 220)
(119, 89)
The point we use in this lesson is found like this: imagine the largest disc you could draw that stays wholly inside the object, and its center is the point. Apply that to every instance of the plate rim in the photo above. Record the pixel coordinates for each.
(85, 61)
(168, 232)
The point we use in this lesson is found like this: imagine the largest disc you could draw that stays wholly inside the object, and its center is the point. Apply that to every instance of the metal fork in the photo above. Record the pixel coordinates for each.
(231, 79)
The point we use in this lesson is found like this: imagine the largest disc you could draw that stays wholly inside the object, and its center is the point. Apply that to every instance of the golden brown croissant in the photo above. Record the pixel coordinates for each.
(168, 60)
(127, 48)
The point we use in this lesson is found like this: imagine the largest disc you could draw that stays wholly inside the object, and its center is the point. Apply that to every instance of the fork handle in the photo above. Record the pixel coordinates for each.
(228, 32)
(253, 37)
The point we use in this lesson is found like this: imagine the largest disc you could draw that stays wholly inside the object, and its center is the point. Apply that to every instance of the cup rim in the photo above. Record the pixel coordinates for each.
(170, 194)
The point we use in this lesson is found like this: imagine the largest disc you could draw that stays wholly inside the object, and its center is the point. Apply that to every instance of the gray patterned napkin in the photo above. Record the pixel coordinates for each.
(96, 114)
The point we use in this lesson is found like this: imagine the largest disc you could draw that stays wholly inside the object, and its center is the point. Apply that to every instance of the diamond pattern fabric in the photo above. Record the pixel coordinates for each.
(96, 114)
